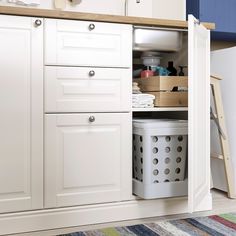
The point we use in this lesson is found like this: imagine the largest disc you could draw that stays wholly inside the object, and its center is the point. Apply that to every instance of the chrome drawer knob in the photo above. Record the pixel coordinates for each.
(91, 26)
(37, 23)
(91, 119)
(91, 73)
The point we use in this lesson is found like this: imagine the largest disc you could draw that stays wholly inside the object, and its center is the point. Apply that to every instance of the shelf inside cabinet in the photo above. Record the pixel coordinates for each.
(160, 109)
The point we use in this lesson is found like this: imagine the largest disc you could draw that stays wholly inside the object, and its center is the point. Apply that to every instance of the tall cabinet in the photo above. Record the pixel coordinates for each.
(21, 105)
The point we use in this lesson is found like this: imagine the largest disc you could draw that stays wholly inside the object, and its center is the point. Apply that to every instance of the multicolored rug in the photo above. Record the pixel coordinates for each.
(218, 225)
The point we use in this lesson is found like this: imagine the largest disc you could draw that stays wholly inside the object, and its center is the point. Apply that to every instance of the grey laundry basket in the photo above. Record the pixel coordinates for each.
(159, 158)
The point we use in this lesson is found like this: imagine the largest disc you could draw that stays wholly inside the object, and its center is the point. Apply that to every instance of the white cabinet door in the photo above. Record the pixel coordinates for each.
(160, 9)
(84, 43)
(87, 89)
(21, 120)
(141, 8)
(199, 117)
(87, 161)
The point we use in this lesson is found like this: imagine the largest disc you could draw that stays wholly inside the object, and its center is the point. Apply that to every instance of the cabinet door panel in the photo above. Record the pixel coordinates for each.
(199, 117)
(139, 8)
(21, 121)
(87, 162)
(75, 90)
(75, 43)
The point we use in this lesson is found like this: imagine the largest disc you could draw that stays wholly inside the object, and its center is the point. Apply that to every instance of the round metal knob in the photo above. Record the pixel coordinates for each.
(91, 119)
(37, 23)
(91, 26)
(91, 73)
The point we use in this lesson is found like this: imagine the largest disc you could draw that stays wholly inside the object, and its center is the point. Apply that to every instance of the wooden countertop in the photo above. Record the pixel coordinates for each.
(97, 17)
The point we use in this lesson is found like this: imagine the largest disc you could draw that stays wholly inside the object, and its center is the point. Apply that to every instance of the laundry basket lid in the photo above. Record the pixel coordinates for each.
(160, 123)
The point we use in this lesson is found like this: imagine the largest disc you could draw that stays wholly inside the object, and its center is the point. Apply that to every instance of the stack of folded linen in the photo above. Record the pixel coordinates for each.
(136, 89)
(142, 100)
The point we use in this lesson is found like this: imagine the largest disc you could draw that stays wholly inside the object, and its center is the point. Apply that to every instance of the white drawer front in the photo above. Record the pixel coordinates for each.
(87, 162)
(74, 43)
(74, 89)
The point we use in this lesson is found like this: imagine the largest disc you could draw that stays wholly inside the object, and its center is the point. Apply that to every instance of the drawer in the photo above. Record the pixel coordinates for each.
(83, 89)
(84, 43)
(87, 158)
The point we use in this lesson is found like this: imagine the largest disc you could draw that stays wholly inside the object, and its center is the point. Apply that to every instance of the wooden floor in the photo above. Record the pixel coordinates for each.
(221, 204)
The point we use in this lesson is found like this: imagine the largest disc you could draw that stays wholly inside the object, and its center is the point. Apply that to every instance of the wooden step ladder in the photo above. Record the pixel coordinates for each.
(219, 119)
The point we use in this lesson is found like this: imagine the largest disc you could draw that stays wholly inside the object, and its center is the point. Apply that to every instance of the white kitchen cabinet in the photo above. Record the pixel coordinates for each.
(160, 9)
(87, 161)
(169, 9)
(85, 176)
(111, 7)
(84, 43)
(21, 121)
(139, 8)
(87, 89)
(87, 158)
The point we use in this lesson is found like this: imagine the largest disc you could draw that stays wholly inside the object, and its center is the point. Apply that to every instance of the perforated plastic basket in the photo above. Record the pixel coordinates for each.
(159, 158)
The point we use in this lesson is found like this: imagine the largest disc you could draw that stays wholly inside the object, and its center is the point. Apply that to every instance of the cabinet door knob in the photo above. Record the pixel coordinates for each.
(91, 119)
(91, 73)
(37, 23)
(91, 26)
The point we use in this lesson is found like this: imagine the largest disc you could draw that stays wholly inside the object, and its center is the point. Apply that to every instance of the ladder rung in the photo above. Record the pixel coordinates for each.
(217, 157)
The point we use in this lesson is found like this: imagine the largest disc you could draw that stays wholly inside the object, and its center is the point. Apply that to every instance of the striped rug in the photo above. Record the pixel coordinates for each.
(218, 225)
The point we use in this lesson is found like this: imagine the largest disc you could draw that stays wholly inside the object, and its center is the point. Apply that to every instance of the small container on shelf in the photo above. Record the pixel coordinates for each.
(159, 158)
(147, 73)
(171, 69)
(151, 59)
(181, 73)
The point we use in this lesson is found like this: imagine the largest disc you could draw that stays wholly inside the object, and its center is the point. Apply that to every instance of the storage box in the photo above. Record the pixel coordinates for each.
(161, 87)
(159, 158)
(170, 99)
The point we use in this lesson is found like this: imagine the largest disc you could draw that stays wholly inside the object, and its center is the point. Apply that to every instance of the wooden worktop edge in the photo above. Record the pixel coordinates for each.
(96, 17)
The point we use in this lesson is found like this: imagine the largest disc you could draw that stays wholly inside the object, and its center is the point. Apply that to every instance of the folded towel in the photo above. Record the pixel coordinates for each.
(146, 101)
(136, 92)
(142, 101)
(143, 96)
(136, 89)
(143, 106)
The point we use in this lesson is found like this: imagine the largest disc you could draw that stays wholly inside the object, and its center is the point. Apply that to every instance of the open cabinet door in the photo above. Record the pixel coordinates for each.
(199, 196)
